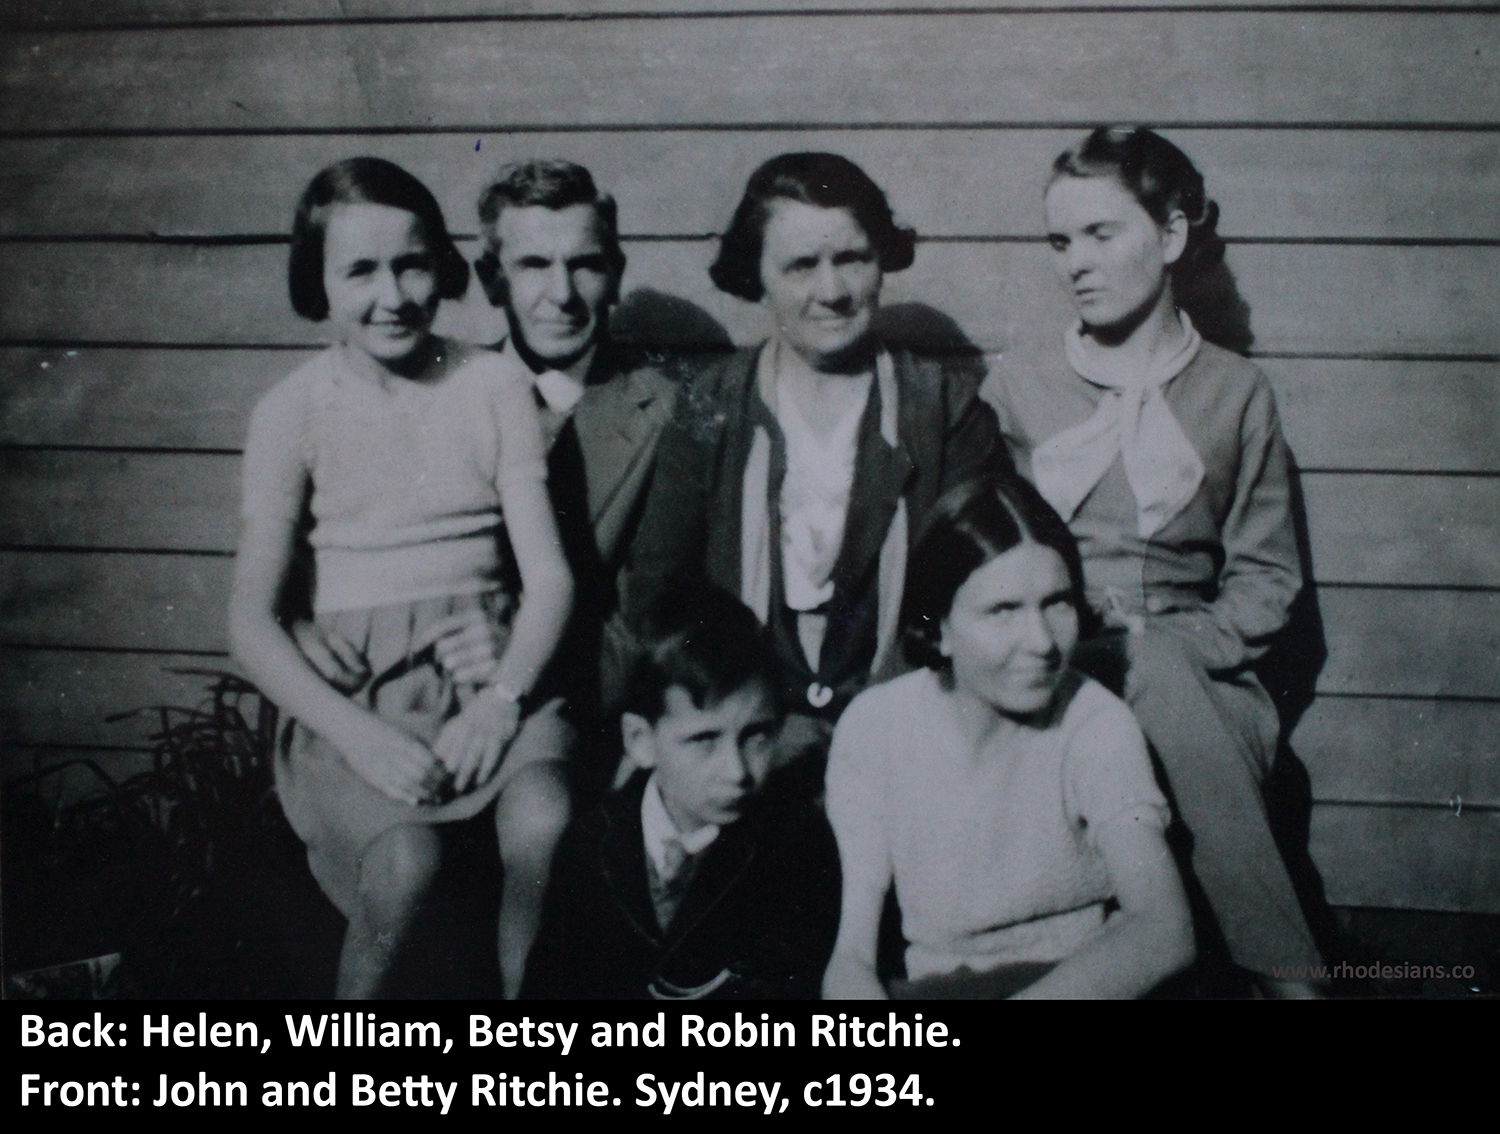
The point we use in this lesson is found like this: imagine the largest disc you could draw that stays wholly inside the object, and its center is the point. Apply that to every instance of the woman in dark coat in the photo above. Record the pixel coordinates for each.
(795, 472)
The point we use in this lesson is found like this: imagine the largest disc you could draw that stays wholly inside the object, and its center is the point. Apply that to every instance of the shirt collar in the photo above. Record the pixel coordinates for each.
(560, 389)
(657, 829)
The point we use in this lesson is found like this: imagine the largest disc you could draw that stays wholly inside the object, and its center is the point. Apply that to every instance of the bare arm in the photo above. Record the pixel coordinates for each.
(546, 582)
(1146, 941)
(851, 970)
(854, 804)
(472, 743)
(382, 754)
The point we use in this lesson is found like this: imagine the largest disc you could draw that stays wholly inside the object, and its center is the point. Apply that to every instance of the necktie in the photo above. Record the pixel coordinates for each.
(671, 881)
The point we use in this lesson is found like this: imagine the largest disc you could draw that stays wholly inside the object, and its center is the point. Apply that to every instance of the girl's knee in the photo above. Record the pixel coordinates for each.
(400, 865)
(532, 813)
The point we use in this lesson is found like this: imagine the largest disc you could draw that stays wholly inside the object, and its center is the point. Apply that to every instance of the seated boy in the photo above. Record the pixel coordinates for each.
(695, 879)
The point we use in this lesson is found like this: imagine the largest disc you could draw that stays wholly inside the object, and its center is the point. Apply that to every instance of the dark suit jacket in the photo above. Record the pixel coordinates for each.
(758, 919)
(599, 463)
(692, 524)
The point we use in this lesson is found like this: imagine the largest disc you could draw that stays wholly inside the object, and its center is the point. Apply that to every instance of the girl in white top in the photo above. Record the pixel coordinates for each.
(1007, 798)
(407, 449)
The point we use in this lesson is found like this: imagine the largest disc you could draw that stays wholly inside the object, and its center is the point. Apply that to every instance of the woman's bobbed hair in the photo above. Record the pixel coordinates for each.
(972, 524)
(366, 181)
(827, 181)
(1162, 179)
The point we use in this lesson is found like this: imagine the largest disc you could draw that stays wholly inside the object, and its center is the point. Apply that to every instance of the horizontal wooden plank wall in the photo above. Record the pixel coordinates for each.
(151, 152)
(52, 14)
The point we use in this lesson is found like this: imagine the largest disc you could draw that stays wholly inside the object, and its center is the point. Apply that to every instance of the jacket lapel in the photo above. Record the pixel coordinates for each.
(881, 474)
(618, 420)
(613, 420)
(724, 864)
(623, 858)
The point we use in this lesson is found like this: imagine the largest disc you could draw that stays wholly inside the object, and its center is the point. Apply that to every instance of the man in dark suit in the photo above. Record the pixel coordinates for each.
(553, 262)
(694, 880)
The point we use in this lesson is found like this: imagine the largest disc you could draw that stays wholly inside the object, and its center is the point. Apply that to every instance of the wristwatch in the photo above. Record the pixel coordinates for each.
(503, 692)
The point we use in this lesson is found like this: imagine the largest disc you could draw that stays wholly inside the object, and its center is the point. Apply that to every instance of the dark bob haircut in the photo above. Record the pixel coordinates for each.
(825, 180)
(1162, 180)
(550, 184)
(364, 181)
(702, 639)
(970, 525)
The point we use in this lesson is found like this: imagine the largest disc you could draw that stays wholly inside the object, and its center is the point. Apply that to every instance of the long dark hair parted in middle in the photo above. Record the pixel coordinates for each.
(827, 181)
(972, 524)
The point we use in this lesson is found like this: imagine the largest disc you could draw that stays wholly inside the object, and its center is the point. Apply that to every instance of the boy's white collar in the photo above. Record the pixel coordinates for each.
(657, 829)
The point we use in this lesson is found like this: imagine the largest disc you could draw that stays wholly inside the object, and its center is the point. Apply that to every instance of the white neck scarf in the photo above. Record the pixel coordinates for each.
(1134, 421)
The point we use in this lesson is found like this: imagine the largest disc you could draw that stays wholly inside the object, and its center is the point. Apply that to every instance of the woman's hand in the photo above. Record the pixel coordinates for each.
(395, 763)
(471, 744)
(332, 655)
(851, 978)
(468, 645)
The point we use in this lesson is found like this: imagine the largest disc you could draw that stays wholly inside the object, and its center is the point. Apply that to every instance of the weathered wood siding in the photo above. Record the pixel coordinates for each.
(151, 152)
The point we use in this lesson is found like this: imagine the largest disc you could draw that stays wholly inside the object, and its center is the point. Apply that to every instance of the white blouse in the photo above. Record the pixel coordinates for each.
(815, 498)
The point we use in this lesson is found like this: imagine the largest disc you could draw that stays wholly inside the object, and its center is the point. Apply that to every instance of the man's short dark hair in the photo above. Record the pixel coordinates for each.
(550, 184)
(364, 181)
(701, 639)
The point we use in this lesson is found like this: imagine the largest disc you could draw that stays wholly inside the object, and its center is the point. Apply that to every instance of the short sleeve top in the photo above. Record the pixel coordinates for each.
(994, 852)
(405, 475)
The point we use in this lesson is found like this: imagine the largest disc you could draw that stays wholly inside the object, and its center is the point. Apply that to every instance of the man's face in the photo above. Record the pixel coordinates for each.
(708, 761)
(559, 278)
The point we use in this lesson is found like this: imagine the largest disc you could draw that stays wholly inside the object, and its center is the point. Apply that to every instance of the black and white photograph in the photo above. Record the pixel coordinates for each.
(674, 500)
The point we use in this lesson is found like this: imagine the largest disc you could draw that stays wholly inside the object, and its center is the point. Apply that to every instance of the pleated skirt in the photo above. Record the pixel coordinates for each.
(335, 812)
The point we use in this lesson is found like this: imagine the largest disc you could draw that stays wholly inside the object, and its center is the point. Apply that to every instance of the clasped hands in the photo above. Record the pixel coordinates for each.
(468, 749)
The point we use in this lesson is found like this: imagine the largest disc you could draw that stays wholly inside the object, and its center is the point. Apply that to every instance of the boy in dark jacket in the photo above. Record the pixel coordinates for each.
(698, 878)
